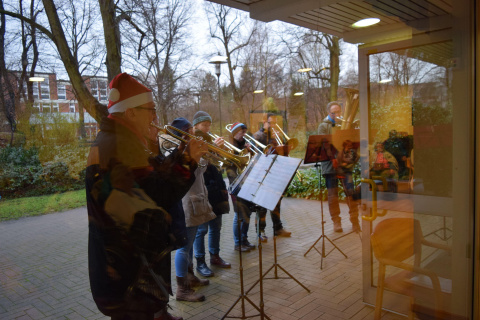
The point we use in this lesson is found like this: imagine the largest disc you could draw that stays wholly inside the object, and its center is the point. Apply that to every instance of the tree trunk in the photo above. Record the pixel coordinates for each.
(334, 67)
(93, 107)
(112, 38)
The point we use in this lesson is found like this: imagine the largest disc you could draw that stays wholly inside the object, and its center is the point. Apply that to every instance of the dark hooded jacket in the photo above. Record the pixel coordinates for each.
(165, 180)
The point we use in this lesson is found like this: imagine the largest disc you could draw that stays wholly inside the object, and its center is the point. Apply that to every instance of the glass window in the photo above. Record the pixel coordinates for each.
(72, 106)
(45, 89)
(94, 88)
(61, 91)
(46, 108)
(102, 87)
(35, 90)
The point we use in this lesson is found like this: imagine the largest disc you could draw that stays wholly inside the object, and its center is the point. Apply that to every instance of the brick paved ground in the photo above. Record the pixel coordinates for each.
(43, 271)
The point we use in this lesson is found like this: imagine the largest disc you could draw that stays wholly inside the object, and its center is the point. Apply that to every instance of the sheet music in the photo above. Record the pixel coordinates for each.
(255, 177)
(268, 180)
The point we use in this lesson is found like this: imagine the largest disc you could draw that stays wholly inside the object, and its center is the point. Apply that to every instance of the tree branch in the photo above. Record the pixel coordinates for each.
(31, 22)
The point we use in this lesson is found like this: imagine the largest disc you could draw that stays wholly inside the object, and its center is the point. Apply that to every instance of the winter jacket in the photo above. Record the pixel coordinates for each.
(165, 180)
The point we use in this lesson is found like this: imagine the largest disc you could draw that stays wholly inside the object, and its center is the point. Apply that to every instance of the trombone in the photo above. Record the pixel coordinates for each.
(292, 143)
(228, 145)
(257, 146)
(240, 161)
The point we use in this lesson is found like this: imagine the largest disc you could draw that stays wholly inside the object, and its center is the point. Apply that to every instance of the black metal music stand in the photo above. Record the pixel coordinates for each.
(275, 265)
(323, 236)
(315, 154)
(243, 295)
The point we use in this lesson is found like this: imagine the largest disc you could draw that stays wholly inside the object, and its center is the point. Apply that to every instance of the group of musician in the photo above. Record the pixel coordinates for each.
(143, 204)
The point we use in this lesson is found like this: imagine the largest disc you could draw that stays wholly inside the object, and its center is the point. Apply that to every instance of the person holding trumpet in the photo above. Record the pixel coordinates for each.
(268, 136)
(243, 209)
(218, 199)
(115, 266)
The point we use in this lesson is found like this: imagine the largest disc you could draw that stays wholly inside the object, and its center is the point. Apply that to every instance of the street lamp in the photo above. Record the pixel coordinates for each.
(218, 61)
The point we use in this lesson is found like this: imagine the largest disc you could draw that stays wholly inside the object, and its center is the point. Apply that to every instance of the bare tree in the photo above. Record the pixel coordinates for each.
(227, 27)
(162, 51)
(57, 35)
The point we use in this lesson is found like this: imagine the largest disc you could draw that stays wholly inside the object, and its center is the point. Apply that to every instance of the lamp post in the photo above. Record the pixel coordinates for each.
(197, 94)
(218, 61)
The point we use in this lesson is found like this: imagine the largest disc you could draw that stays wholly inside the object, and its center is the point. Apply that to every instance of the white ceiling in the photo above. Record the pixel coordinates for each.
(399, 19)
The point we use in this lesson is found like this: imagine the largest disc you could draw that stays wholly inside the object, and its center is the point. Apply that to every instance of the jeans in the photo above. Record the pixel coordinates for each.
(184, 255)
(242, 212)
(213, 237)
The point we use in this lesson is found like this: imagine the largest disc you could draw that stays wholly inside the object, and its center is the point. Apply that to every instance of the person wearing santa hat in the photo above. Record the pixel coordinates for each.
(115, 266)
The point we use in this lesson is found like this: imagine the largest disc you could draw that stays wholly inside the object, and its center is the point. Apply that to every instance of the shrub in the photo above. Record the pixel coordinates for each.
(22, 173)
(305, 185)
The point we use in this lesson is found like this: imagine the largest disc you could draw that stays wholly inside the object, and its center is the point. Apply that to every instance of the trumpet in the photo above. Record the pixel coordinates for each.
(240, 161)
(257, 146)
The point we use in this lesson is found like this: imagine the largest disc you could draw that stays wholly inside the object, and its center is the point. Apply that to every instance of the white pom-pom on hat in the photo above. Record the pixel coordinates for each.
(126, 92)
(114, 95)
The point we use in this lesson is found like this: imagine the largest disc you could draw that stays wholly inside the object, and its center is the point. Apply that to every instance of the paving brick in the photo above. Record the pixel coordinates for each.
(44, 273)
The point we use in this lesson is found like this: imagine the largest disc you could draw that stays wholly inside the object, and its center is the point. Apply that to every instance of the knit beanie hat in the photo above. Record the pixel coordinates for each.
(237, 126)
(201, 116)
(181, 124)
(126, 92)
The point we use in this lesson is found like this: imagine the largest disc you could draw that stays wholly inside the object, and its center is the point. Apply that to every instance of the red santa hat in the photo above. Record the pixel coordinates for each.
(126, 92)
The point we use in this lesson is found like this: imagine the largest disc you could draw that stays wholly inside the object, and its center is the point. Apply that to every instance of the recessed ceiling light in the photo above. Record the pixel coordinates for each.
(258, 91)
(36, 79)
(298, 94)
(365, 22)
(304, 69)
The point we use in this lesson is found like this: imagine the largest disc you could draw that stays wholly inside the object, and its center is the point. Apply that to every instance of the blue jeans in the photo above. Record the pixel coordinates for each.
(184, 255)
(213, 237)
(242, 212)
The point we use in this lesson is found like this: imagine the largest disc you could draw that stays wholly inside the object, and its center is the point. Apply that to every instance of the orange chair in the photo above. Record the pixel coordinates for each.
(394, 241)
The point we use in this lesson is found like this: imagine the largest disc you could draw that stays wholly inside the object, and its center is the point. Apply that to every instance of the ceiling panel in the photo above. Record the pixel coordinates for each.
(337, 16)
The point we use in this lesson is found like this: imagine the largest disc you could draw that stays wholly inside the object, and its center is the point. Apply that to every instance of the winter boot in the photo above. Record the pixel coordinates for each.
(186, 293)
(195, 281)
(203, 269)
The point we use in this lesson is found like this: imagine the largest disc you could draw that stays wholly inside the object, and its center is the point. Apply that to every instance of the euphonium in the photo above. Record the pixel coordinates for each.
(240, 161)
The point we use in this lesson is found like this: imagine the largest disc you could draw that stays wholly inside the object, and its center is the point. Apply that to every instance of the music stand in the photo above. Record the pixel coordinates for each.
(265, 186)
(243, 295)
(318, 150)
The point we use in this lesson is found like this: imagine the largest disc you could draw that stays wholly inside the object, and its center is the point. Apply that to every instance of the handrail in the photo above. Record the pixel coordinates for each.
(374, 200)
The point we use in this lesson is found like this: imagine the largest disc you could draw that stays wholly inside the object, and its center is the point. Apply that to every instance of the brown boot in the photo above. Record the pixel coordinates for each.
(195, 281)
(219, 262)
(186, 293)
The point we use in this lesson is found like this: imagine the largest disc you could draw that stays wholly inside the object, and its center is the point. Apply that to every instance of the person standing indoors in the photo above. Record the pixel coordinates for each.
(243, 209)
(266, 136)
(218, 198)
(329, 171)
(115, 267)
(186, 279)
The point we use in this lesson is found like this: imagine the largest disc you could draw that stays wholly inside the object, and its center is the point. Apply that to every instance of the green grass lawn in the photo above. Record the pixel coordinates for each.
(35, 206)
